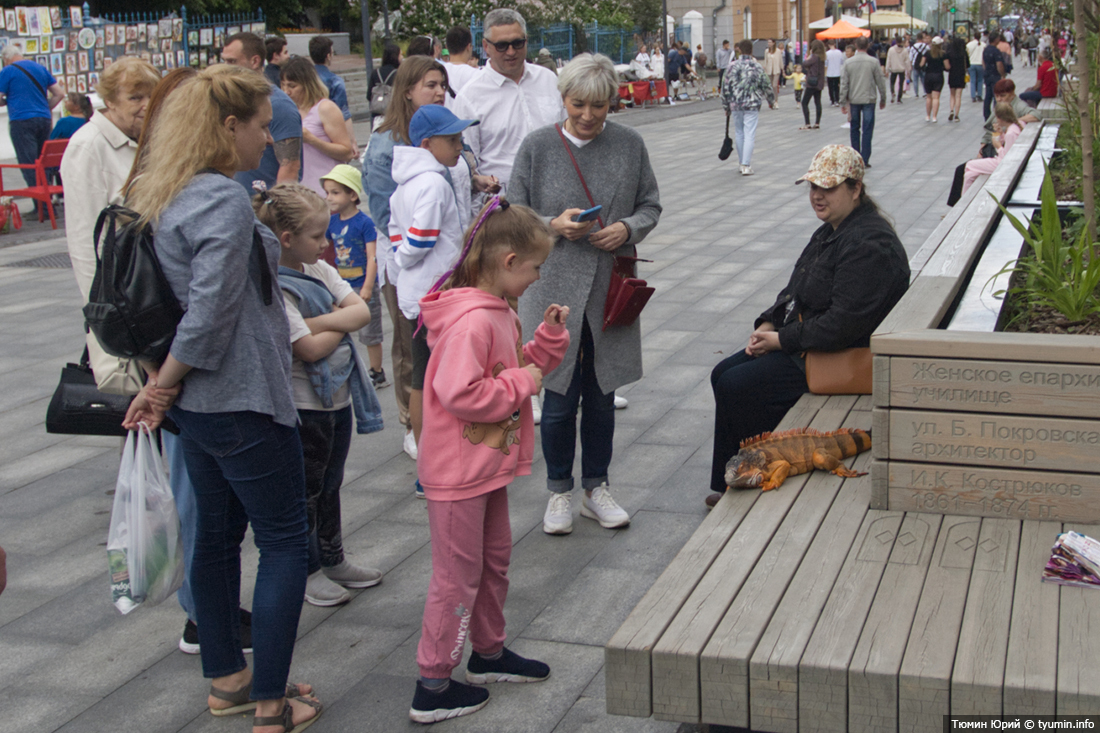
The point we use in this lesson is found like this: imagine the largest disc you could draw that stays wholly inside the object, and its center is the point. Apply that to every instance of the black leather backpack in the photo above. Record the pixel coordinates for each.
(131, 307)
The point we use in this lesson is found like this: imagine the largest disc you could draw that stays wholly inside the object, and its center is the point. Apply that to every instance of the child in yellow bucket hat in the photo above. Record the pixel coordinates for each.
(353, 238)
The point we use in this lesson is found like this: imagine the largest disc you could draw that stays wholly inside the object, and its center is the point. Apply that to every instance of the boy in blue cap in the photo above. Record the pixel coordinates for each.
(425, 230)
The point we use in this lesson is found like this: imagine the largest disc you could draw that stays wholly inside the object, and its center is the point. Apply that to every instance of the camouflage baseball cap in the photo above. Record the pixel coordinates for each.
(833, 165)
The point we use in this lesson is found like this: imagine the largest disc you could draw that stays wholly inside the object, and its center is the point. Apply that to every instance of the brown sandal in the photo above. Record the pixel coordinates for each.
(239, 698)
(286, 718)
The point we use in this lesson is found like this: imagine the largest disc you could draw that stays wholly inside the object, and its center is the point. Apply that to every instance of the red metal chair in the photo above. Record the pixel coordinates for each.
(42, 191)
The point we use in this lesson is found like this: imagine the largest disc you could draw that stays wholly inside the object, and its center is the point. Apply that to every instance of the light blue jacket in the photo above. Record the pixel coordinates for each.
(344, 364)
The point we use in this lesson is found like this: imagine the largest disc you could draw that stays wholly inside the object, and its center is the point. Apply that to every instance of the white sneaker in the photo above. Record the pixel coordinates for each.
(620, 403)
(536, 409)
(410, 444)
(601, 507)
(746, 170)
(558, 518)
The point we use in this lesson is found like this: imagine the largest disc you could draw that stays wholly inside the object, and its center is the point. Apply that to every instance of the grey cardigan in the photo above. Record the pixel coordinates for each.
(238, 347)
(616, 167)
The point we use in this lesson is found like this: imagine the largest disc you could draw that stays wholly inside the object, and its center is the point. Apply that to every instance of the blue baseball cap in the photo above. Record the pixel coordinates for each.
(435, 119)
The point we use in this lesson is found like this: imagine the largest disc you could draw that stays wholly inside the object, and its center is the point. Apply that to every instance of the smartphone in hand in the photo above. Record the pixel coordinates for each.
(589, 214)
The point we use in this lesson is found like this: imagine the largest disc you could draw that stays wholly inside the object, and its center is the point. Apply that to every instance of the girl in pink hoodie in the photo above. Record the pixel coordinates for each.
(477, 437)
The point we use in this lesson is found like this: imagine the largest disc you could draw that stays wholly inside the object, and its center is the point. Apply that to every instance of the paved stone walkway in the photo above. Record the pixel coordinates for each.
(69, 662)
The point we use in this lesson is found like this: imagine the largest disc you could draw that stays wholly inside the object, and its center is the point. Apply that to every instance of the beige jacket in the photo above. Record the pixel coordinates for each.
(96, 164)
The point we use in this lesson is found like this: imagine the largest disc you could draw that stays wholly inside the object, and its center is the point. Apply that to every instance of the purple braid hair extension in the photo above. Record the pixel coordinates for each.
(494, 203)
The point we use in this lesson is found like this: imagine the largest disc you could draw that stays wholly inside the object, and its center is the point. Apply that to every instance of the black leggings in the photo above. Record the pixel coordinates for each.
(897, 82)
(807, 95)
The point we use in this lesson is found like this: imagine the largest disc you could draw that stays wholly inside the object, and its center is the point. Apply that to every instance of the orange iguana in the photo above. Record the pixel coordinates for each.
(767, 460)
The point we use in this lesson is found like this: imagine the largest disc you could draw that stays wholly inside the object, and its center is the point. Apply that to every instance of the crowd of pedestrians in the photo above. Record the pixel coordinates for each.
(240, 171)
(860, 74)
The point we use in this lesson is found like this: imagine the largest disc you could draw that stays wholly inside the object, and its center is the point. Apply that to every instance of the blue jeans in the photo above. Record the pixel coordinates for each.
(915, 81)
(989, 101)
(976, 74)
(559, 425)
(751, 396)
(246, 468)
(863, 127)
(28, 137)
(744, 133)
(1030, 97)
(326, 439)
(184, 494)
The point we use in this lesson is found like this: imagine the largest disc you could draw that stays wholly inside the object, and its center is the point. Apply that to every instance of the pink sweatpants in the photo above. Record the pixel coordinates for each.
(471, 548)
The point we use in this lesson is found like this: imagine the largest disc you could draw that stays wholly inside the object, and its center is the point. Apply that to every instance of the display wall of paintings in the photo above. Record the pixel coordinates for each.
(76, 54)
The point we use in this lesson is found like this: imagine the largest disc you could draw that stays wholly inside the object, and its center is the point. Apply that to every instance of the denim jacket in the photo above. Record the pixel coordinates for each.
(344, 364)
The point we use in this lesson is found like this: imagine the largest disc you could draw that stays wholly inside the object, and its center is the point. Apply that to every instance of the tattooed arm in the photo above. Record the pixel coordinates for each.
(289, 154)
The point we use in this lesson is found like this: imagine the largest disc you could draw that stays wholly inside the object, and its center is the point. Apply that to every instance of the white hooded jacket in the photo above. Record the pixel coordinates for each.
(425, 229)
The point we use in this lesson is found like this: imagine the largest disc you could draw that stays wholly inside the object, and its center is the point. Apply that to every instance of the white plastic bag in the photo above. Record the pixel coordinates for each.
(144, 549)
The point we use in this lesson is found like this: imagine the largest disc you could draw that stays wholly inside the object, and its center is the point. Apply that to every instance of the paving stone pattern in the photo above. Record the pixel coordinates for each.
(725, 245)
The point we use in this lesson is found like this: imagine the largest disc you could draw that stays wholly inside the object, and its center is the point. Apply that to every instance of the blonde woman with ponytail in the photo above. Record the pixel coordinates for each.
(226, 384)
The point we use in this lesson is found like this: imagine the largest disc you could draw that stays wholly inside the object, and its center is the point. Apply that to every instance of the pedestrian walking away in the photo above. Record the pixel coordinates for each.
(813, 65)
(860, 83)
(974, 51)
(834, 61)
(746, 88)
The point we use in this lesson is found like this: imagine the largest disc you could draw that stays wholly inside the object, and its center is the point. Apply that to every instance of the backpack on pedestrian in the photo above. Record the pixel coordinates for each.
(381, 93)
(131, 307)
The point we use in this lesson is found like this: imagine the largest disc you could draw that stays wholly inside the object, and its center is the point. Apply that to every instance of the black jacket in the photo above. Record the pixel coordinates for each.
(843, 285)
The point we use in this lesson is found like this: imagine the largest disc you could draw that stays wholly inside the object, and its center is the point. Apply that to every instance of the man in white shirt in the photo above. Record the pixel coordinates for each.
(834, 60)
(460, 46)
(510, 97)
(918, 49)
(974, 51)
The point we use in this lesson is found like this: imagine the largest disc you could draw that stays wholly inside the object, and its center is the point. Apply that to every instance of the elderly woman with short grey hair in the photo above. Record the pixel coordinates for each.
(556, 169)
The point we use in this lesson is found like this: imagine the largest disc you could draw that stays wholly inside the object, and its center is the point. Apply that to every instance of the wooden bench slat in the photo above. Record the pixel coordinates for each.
(873, 671)
(773, 666)
(924, 681)
(823, 671)
(977, 682)
(627, 660)
(675, 657)
(1031, 664)
(1078, 646)
(724, 663)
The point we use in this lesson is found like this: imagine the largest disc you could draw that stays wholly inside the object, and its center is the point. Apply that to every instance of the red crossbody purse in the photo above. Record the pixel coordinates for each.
(626, 293)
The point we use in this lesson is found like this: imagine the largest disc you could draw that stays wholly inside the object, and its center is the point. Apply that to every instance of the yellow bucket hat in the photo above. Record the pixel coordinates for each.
(348, 176)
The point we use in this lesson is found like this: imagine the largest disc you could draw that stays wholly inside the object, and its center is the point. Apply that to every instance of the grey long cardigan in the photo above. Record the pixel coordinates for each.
(616, 167)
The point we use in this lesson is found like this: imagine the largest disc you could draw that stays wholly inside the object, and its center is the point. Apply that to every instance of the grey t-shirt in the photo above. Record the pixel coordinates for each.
(238, 347)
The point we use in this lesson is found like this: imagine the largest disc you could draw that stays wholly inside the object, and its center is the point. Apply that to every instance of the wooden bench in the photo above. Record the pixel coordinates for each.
(804, 609)
(1052, 108)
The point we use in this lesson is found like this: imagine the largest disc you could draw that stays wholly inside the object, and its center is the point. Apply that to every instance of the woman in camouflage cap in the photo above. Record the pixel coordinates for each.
(853, 271)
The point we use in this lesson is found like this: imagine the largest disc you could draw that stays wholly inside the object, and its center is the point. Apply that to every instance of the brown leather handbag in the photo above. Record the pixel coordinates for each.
(847, 371)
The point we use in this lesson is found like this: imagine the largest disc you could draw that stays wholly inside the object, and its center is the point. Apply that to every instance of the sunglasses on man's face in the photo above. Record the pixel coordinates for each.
(502, 46)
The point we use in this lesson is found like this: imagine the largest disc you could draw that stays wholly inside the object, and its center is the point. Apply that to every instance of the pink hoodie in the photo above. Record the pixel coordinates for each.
(478, 430)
